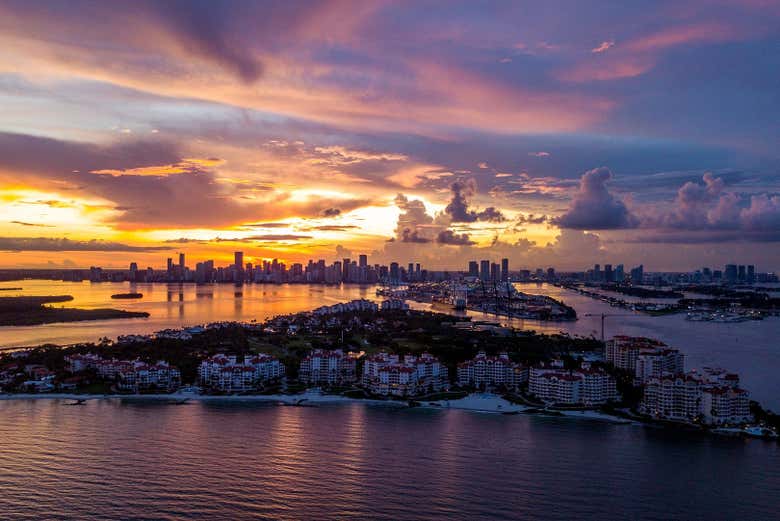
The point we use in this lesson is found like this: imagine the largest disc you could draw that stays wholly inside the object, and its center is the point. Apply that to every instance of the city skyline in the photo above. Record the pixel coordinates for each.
(440, 132)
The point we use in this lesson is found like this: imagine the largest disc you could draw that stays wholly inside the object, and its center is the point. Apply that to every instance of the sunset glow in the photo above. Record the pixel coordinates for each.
(438, 132)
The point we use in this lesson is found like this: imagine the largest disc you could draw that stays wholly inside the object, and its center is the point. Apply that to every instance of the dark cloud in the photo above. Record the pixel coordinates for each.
(331, 212)
(413, 236)
(205, 27)
(594, 207)
(532, 219)
(22, 223)
(450, 237)
(65, 244)
(458, 207)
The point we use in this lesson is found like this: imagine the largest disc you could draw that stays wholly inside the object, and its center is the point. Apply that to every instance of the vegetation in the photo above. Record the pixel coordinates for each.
(31, 311)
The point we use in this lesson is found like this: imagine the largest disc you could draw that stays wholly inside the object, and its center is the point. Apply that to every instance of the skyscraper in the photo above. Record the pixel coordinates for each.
(505, 269)
(473, 269)
(395, 275)
(730, 273)
(345, 269)
(363, 261)
(181, 263)
(484, 270)
(238, 261)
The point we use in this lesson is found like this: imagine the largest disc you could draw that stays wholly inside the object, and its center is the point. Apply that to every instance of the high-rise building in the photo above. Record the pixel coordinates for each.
(597, 272)
(238, 262)
(473, 269)
(363, 261)
(608, 275)
(170, 265)
(504, 270)
(730, 273)
(495, 271)
(181, 263)
(345, 269)
(741, 274)
(484, 270)
(751, 274)
(395, 273)
(620, 275)
(638, 275)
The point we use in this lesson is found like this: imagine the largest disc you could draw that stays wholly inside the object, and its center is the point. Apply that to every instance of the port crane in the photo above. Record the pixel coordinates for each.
(604, 316)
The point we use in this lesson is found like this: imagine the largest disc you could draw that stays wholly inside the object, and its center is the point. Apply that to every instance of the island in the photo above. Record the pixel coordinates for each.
(130, 295)
(33, 311)
(361, 350)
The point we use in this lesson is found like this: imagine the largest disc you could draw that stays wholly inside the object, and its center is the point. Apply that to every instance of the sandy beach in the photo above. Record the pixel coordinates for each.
(477, 402)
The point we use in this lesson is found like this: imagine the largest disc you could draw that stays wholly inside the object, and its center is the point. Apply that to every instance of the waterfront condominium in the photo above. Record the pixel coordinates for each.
(710, 396)
(324, 367)
(586, 385)
(388, 374)
(141, 376)
(491, 371)
(644, 357)
(225, 374)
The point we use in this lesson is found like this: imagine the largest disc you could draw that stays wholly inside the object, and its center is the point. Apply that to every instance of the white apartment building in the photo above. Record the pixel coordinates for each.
(328, 367)
(712, 398)
(657, 362)
(622, 351)
(140, 376)
(586, 386)
(499, 371)
(224, 373)
(388, 374)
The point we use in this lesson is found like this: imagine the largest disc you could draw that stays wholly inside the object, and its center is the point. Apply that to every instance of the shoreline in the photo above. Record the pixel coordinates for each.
(476, 402)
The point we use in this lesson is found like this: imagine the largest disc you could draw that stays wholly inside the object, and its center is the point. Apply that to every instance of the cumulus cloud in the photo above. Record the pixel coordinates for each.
(458, 208)
(413, 219)
(706, 212)
(594, 207)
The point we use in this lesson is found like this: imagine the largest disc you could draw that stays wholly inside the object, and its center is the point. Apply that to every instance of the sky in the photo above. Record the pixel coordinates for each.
(558, 133)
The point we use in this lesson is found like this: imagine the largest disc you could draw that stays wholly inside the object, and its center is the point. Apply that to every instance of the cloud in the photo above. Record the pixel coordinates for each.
(65, 244)
(452, 238)
(267, 225)
(154, 199)
(706, 212)
(603, 46)
(413, 218)
(532, 219)
(458, 207)
(539, 154)
(329, 228)
(594, 207)
(408, 235)
(22, 223)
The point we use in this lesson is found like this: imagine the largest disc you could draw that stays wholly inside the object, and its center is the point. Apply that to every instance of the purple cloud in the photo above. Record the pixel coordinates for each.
(594, 207)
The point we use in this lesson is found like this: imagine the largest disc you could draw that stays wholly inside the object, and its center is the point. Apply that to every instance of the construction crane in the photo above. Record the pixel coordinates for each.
(605, 315)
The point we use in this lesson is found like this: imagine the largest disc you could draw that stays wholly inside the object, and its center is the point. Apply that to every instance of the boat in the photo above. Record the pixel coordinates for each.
(757, 431)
